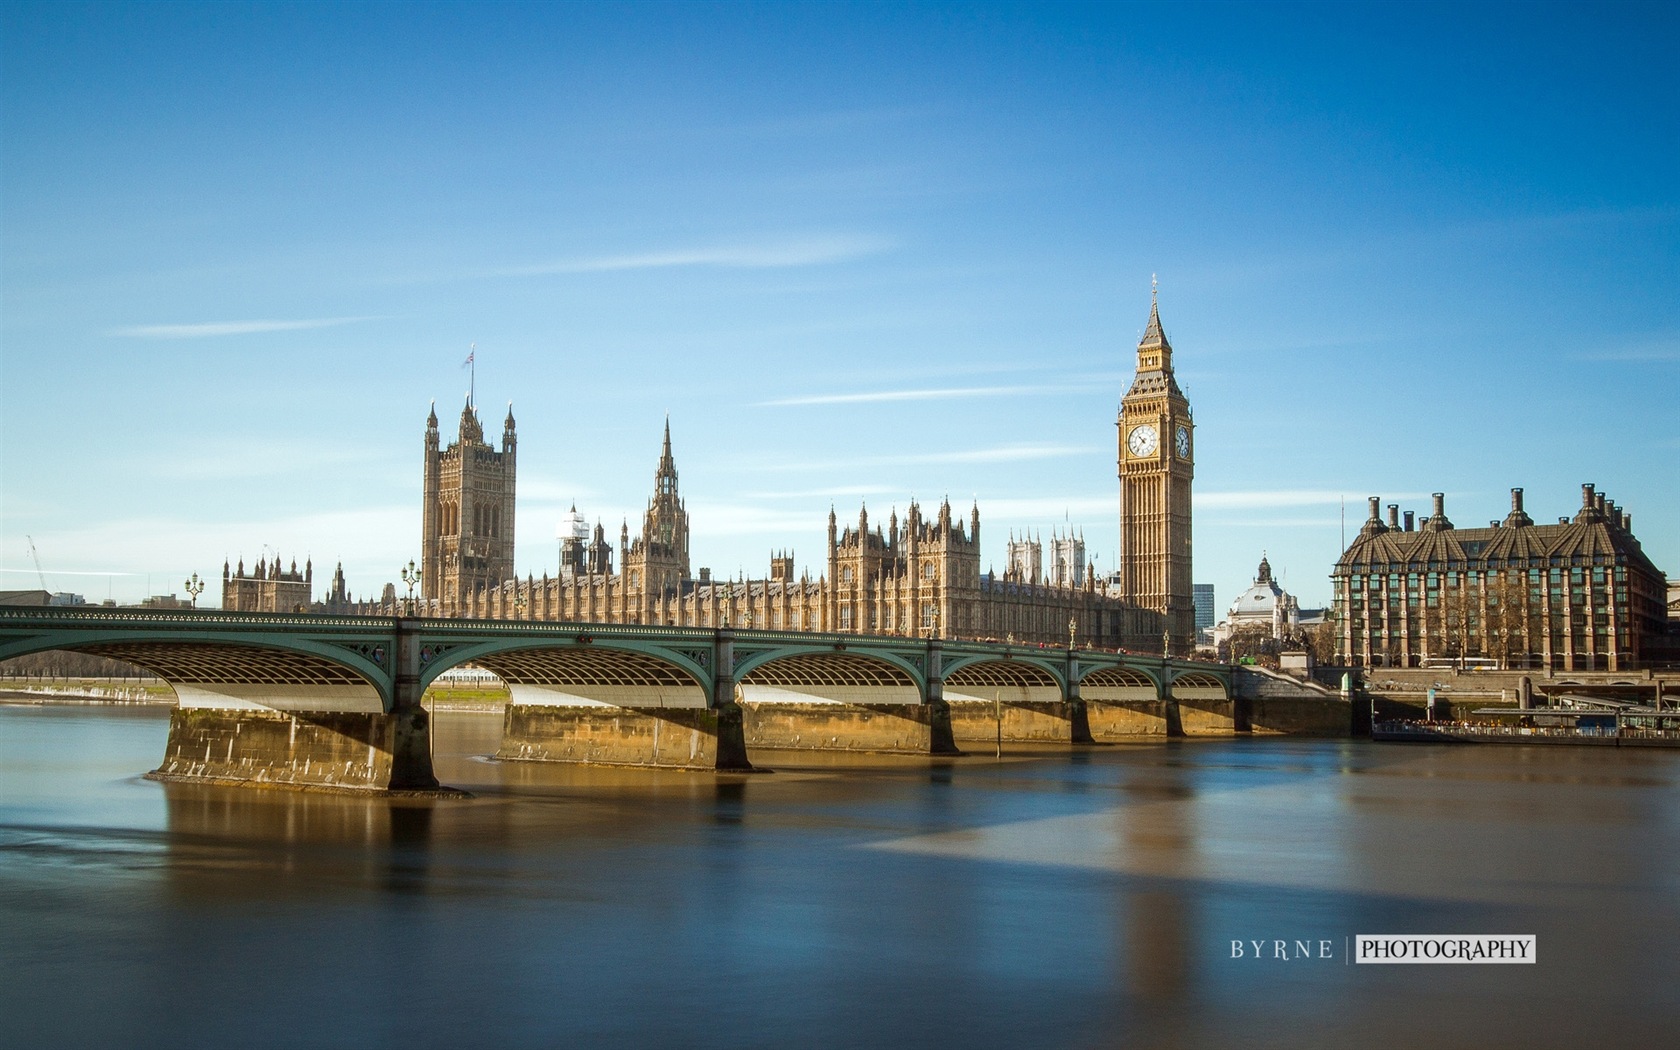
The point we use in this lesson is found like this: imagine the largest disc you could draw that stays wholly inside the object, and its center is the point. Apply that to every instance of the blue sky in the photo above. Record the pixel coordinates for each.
(857, 253)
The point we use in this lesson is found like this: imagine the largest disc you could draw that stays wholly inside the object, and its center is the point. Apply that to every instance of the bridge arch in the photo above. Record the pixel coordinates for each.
(1198, 685)
(844, 676)
(1017, 670)
(286, 673)
(617, 673)
(1114, 684)
(1005, 681)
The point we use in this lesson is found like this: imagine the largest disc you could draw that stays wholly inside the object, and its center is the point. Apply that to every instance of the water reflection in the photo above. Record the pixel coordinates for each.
(1051, 899)
(303, 836)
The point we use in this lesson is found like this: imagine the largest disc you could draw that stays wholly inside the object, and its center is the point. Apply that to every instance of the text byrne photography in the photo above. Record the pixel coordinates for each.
(833, 525)
(1392, 948)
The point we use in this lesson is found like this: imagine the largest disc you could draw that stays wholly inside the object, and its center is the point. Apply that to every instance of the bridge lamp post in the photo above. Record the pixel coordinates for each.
(1073, 629)
(410, 576)
(195, 587)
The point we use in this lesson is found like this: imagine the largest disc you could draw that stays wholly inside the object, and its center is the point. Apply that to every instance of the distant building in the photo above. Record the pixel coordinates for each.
(1580, 595)
(165, 601)
(65, 598)
(1067, 559)
(1264, 606)
(1024, 559)
(1202, 595)
(268, 587)
(36, 598)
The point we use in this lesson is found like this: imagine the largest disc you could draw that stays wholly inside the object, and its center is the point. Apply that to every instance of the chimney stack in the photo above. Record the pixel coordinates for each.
(1394, 515)
(1516, 501)
(1411, 517)
(1376, 502)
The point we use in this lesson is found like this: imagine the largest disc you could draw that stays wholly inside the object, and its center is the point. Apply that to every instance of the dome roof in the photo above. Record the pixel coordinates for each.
(1260, 600)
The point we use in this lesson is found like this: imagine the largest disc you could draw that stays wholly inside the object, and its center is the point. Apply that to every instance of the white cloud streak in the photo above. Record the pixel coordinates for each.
(809, 252)
(934, 394)
(208, 329)
(1283, 498)
(65, 572)
(1001, 454)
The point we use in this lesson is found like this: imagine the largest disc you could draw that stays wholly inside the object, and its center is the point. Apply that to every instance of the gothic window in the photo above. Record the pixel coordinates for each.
(927, 571)
(846, 619)
(846, 574)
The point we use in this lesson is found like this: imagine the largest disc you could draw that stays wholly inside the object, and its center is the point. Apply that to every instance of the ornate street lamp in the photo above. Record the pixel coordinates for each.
(195, 587)
(1073, 628)
(410, 576)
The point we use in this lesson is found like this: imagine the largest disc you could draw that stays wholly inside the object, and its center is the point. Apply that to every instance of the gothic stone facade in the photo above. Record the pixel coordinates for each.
(466, 541)
(918, 577)
(1580, 595)
(1156, 468)
(268, 587)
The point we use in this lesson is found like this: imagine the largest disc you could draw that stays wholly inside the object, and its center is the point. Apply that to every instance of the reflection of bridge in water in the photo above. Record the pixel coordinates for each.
(335, 701)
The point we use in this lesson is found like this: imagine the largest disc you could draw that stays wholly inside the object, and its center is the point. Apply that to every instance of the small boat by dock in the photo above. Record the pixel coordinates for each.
(1575, 720)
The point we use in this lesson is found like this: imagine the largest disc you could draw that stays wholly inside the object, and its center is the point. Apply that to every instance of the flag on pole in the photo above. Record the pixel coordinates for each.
(471, 352)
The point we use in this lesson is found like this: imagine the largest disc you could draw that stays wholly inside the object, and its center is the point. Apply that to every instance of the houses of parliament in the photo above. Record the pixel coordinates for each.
(919, 575)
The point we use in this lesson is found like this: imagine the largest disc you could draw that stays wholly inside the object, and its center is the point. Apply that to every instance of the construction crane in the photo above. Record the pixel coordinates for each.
(37, 558)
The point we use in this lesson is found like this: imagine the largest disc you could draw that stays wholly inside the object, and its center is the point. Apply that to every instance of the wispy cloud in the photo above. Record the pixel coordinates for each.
(207, 329)
(812, 251)
(1000, 454)
(735, 519)
(1283, 498)
(1034, 511)
(1663, 350)
(240, 459)
(837, 490)
(66, 572)
(553, 490)
(923, 394)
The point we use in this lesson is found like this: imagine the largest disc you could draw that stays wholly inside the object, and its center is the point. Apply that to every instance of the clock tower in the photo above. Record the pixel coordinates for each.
(1156, 465)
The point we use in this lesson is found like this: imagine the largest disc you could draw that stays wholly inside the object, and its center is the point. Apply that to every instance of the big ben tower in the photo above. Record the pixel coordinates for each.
(1156, 465)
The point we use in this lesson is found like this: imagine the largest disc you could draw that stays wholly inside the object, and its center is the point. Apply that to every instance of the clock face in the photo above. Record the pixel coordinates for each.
(1142, 440)
(1181, 442)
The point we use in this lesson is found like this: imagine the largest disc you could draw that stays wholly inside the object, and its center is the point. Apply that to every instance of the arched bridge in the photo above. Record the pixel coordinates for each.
(335, 701)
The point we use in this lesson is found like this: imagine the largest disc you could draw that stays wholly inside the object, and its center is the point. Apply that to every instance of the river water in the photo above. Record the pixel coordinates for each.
(1059, 898)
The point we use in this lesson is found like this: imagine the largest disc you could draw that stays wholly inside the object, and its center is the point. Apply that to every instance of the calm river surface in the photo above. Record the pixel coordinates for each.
(1060, 898)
